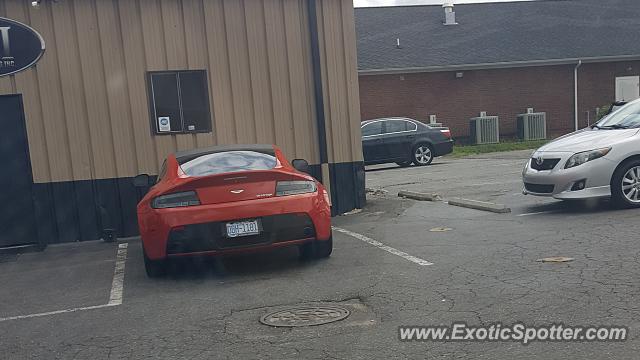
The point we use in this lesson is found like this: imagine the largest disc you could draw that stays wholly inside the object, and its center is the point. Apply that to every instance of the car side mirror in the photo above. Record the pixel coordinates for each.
(301, 165)
(141, 181)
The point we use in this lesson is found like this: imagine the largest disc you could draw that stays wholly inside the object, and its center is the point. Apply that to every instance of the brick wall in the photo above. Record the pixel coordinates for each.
(597, 86)
(502, 92)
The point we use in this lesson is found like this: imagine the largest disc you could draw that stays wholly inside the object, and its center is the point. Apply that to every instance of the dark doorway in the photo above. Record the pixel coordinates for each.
(17, 221)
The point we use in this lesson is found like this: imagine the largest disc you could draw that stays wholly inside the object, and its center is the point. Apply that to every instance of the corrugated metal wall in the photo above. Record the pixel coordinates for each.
(86, 100)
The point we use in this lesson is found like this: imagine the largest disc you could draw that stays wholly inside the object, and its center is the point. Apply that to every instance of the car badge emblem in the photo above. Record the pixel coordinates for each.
(237, 191)
(539, 160)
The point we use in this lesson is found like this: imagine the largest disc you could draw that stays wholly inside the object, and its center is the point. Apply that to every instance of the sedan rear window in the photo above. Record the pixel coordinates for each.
(228, 162)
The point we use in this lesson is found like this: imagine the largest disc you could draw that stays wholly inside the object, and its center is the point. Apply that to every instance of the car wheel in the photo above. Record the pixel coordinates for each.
(154, 268)
(625, 185)
(422, 154)
(404, 163)
(316, 249)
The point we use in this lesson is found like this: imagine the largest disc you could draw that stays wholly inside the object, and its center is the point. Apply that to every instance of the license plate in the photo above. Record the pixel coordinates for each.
(243, 228)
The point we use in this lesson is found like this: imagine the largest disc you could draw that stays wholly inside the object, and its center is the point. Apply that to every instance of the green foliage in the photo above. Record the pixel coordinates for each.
(602, 111)
(462, 151)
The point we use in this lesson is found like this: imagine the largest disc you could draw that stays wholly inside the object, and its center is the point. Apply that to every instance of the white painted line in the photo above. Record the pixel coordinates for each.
(56, 312)
(538, 213)
(117, 285)
(384, 247)
(115, 297)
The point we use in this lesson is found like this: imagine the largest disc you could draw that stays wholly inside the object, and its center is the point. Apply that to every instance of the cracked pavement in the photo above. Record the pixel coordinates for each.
(484, 271)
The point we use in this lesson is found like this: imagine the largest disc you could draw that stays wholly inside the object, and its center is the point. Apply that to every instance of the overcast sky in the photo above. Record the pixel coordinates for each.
(363, 3)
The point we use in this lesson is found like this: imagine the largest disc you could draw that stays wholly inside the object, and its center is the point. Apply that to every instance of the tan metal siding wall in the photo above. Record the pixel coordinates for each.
(86, 100)
(340, 81)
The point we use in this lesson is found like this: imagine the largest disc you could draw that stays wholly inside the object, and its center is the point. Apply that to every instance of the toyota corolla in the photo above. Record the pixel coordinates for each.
(231, 199)
(597, 162)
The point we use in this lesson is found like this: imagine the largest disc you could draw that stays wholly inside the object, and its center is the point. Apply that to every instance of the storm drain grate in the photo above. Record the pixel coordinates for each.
(305, 316)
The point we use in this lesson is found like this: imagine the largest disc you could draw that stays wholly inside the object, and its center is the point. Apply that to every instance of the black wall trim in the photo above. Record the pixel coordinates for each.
(347, 187)
(81, 210)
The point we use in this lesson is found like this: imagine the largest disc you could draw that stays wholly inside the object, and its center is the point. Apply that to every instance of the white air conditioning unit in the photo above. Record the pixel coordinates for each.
(432, 119)
(530, 111)
(485, 129)
(532, 126)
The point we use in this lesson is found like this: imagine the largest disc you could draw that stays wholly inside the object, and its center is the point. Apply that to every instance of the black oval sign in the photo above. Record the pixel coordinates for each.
(20, 46)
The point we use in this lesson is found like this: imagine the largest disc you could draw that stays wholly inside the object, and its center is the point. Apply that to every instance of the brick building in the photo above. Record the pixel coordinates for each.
(501, 58)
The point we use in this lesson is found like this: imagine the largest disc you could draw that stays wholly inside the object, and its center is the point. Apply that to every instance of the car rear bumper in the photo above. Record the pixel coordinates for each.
(443, 148)
(201, 229)
(211, 236)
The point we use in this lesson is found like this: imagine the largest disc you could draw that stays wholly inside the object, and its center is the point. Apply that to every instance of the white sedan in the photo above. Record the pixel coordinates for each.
(600, 161)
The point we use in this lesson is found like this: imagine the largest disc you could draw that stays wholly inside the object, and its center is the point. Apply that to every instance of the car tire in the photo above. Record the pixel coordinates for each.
(154, 268)
(422, 154)
(404, 163)
(316, 249)
(622, 177)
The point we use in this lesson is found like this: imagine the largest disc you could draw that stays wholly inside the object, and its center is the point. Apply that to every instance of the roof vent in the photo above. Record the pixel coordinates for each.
(449, 14)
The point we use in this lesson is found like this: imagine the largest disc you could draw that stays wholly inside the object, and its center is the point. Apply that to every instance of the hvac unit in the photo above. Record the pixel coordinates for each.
(532, 126)
(484, 129)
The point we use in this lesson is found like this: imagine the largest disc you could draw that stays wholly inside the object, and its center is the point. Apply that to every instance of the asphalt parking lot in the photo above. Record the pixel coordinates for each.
(398, 262)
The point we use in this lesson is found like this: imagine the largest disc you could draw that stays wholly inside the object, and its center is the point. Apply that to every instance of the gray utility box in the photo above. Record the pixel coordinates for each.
(532, 126)
(484, 130)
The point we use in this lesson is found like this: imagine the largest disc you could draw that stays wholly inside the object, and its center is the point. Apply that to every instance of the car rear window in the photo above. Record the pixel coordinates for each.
(228, 162)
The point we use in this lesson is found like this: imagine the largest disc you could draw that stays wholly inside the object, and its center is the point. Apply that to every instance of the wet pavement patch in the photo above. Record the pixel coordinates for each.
(305, 316)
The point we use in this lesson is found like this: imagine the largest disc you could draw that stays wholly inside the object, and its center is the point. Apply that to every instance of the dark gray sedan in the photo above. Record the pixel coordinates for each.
(403, 141)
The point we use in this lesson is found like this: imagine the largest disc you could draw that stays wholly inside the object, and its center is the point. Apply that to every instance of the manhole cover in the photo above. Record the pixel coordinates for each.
(305, 316)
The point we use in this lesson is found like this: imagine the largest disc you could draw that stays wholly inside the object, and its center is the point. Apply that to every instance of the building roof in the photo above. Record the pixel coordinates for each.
(499, 34)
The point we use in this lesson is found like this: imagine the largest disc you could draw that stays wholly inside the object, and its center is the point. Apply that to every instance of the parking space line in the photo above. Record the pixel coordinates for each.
(56, 312)
(384, 247)
(538, 213)
(115, 297)
(117, 285)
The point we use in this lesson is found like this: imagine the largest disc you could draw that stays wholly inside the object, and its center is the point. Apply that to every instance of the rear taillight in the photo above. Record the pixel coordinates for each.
(181, 199)
(284, 188)
(446, 133)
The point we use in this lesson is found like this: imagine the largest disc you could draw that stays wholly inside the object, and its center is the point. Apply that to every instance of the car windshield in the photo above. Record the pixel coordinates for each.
(626, 117)
(228, 162)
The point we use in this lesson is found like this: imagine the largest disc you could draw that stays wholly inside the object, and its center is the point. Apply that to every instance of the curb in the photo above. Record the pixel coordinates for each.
(480, 205)
(419, 196)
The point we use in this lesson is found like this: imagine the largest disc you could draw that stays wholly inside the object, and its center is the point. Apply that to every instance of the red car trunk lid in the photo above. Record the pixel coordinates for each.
(238, 186)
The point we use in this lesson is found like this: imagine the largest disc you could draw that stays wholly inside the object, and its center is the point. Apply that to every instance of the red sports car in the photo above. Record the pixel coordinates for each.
(232, 199)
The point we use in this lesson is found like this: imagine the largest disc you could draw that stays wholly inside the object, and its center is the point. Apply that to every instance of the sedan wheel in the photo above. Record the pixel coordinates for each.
(625, 185)
(631, 184)
(422, 155)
